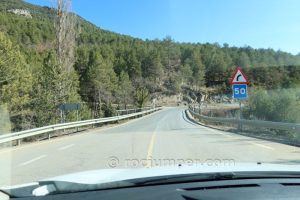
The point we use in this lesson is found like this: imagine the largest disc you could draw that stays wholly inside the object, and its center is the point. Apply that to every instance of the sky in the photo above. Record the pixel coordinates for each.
(257, 23)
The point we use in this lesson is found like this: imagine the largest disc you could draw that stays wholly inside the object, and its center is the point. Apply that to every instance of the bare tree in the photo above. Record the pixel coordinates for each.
(65, 34)
(65, 49)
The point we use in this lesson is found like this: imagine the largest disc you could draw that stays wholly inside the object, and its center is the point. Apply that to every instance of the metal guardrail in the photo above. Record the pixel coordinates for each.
(47, 129)
(132, 110)
(255, 123)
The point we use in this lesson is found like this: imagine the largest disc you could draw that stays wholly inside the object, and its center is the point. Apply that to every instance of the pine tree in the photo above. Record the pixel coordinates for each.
(102, 81)
(15, 83)
(125, 89)
(5, 125)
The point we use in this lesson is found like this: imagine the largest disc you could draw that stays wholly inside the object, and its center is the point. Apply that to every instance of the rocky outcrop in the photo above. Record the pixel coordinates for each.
(21, 12)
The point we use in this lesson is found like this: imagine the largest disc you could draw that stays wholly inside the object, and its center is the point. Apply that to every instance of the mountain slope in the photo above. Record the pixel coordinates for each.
(113, 69)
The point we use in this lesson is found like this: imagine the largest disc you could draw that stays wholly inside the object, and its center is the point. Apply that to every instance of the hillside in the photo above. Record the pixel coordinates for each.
(113, 69)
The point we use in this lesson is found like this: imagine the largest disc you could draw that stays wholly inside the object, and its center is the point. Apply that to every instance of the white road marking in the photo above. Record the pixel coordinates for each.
(212, 130)
(260, 145)
(32, 160)
(226, 135)
(65, 147)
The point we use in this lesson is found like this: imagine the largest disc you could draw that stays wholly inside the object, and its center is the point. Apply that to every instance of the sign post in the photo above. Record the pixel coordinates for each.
(69, 106)
(239, 83)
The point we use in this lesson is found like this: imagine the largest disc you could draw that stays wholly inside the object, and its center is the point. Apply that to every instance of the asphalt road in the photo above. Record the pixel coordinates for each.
(166, 137)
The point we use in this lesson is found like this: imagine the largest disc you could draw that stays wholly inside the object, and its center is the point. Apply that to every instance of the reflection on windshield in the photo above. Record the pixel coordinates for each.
(76, 97)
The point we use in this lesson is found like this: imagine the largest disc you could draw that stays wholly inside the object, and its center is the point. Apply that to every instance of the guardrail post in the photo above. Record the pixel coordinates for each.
(49, 136)
(298, 135)
(77, 118)
(19, 142)
(239, 126)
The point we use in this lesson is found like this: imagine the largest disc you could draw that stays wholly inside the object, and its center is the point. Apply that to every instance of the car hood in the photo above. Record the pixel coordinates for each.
(110, 175)
(114, 175)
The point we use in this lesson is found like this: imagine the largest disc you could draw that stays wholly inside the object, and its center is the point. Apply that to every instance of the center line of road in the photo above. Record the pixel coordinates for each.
(150, 150)
(65, 147)
(261, 145)
(32, 160)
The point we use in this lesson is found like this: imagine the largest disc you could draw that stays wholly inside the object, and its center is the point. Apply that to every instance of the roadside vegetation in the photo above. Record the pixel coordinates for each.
(281, 105)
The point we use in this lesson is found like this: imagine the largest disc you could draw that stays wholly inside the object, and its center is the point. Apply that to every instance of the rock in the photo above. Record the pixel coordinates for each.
(21, 12)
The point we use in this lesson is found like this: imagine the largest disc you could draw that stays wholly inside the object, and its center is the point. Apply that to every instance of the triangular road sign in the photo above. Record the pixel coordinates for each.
(239, 77)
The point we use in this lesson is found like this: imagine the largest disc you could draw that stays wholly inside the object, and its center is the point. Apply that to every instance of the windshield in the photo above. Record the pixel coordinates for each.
(117, 85)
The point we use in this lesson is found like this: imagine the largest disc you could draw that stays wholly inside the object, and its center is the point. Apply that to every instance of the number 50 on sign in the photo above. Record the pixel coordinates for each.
(240, 91)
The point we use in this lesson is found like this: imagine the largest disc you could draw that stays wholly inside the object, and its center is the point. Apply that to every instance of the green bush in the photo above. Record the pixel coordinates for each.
(277, 105)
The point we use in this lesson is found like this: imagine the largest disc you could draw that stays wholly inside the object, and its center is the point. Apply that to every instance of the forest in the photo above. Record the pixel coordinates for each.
(113, 71)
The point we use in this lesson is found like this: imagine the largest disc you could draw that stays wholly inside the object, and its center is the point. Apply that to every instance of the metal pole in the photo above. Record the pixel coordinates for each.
(240, 128)
(241, 110)
(118, 114)
(64, 119)
(61, 116)
(77, 117)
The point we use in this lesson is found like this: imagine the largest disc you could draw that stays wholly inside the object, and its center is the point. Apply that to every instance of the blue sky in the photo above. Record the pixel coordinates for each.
(258, 23)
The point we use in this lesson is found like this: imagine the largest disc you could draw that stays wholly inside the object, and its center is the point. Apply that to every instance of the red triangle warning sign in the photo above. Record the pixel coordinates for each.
(239, 77)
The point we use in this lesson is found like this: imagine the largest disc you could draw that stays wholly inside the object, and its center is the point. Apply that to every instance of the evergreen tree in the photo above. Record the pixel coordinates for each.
(125, 90)
(15, 83)
(102, 81)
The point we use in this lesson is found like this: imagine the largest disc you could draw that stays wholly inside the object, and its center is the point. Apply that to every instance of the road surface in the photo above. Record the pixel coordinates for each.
(166, 137)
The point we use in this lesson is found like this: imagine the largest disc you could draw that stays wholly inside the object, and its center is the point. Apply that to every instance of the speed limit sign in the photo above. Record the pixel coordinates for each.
(240, 91)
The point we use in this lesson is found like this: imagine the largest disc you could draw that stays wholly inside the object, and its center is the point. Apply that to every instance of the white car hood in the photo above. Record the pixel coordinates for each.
(111, 175)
